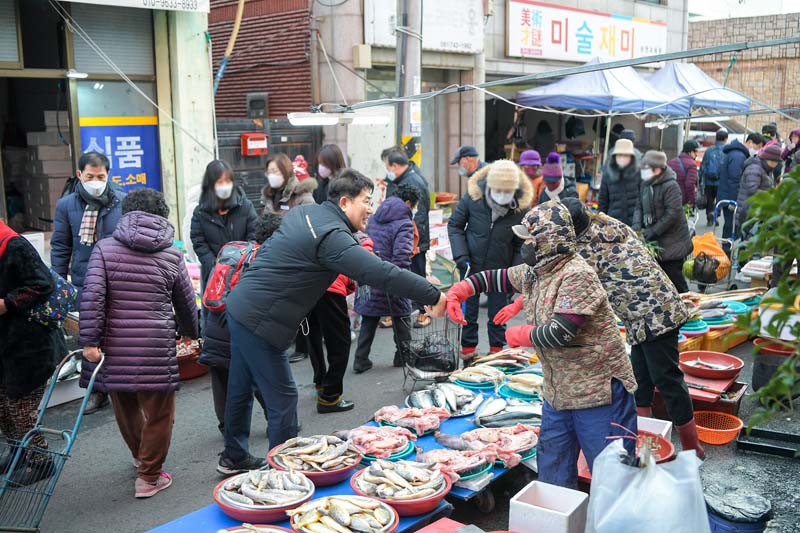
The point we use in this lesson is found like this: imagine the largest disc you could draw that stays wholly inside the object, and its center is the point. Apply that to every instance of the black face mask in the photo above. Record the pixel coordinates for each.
(528, 253)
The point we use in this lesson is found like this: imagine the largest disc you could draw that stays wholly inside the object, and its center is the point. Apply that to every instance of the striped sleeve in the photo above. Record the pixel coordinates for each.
(491, 281)
(560, 332)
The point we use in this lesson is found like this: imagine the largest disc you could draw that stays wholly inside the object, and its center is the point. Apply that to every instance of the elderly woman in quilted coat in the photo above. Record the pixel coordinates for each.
(134, 280)
(588, 379)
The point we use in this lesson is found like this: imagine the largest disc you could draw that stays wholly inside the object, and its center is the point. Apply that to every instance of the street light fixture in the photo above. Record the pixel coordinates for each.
(75, 75)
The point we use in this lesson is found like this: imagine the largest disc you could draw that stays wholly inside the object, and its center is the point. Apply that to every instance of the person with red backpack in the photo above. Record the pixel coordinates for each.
(216, 352)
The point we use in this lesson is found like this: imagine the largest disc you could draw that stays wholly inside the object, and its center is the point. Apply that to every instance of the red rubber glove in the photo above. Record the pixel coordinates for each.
(508, 312)
(458, 293)
(517, 336)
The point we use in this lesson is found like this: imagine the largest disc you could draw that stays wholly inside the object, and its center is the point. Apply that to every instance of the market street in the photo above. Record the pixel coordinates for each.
(95, 492)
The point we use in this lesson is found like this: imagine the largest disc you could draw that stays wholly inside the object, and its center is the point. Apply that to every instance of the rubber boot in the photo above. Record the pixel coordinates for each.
(688, 436)
(644, 411)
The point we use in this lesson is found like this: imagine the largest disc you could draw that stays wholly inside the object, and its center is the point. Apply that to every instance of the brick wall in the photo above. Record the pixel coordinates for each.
(771, 75)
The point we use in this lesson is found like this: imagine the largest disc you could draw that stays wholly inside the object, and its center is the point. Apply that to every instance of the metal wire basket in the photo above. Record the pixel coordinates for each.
(30, 472)
(432, 353)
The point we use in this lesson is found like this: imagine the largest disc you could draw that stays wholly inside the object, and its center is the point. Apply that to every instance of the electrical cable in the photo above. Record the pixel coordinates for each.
(73, 25)
(333, 74)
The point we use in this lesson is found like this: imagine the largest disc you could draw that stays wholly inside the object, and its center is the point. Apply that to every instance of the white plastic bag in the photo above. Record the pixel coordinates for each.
(658, 498)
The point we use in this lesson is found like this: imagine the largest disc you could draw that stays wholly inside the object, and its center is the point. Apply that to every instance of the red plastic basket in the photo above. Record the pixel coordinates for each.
(717, 428)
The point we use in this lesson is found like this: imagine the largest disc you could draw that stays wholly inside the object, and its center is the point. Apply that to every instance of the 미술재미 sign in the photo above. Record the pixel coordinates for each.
(131, 145)
(546, 31)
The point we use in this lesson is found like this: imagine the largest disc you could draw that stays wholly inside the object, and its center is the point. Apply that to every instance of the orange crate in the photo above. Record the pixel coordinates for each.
(692, 343)
(723, 340)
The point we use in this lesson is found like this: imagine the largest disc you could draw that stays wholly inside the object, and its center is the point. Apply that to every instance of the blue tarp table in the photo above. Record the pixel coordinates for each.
(210, 518)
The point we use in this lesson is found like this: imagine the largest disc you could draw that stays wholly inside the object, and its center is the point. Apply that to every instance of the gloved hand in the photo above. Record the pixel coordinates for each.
(461, 263)
(517, 336)
(508, 312)
(458, 293)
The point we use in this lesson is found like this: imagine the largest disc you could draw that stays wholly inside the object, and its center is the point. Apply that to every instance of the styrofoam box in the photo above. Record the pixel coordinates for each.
(435, 217)
(37, 240)
(66, 391)
(35, 138)
(56, 118)
(544, 508)
(45, 152)
(654, 425)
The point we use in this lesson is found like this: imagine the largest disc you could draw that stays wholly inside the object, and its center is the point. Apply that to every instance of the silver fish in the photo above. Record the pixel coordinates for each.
(439, 398)
(473, 405)
(490, 407)
(238, 498)
(421, 399)
(511, 422)
(454, 442)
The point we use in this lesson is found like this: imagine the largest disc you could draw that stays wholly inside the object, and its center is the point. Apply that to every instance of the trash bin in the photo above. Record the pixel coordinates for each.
(732, 511)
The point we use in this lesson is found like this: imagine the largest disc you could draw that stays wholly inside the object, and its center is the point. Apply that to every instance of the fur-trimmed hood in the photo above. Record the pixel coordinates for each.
(476, 187)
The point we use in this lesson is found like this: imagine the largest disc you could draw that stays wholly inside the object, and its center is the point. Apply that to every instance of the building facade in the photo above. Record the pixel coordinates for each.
(766, 74)
(351, 57)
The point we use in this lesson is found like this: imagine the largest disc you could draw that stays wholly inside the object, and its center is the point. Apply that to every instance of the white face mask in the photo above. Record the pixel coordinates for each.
(647, 174)
(462, 172)
(622, 160)
(95, 188)
(223, 192)
(414, 212)
(323, 171)
(753, 151)
(502, 198)
(275, 180)
(390, 176)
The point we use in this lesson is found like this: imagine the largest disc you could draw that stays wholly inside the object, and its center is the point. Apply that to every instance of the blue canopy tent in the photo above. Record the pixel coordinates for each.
(619, 90)
(701, 90)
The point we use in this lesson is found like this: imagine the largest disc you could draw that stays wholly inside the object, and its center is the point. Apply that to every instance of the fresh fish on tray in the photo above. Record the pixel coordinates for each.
(527, 383)
(342, 514)
(458, 400)
(418, 420)
(510, 357)
(378, 441)
(403, 480)
(699, 363)
(265, 488)
(319, 453)
(499, 412)
(478, 374)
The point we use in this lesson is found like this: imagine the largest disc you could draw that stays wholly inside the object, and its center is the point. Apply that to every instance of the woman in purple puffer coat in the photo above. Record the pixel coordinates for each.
(392, 230)
(134, 280)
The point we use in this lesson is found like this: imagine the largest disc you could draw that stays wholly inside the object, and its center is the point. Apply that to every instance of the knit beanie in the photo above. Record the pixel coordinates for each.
(654, 159)
(771, 153)
(552, 169)
(503, 175)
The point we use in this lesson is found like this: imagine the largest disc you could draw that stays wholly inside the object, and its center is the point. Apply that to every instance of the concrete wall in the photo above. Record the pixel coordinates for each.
(767, 74)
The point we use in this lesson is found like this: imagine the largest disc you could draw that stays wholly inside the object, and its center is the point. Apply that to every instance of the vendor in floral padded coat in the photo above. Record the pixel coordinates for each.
(588, 380)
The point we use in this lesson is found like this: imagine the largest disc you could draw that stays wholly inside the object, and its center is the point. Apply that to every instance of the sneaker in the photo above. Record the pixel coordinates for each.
(146, 489)
(228, 467)
(96, 401)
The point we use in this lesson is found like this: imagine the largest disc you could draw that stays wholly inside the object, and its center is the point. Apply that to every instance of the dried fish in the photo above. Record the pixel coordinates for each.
(319, 453)
(258, 488)
(342, 514)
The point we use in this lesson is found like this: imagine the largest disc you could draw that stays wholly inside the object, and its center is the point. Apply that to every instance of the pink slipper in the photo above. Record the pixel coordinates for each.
(146, 489)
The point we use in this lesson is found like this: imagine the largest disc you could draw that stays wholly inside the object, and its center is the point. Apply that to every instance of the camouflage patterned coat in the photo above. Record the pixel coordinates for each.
(577, 376)
(641, 294)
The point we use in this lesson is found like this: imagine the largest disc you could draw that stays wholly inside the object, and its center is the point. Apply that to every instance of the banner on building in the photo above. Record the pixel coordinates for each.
(199, 6)
(547, 31)
(447, 25)
(131, 145)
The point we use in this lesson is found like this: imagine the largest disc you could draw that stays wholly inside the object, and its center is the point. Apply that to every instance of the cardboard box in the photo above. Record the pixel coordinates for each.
(50, 168)
(45, 152)
(35, 138)
(15, 154)
(36, 238)
(56, 118)
(544, 508)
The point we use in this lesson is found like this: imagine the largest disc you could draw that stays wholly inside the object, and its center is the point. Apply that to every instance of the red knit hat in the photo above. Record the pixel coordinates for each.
(300, 166)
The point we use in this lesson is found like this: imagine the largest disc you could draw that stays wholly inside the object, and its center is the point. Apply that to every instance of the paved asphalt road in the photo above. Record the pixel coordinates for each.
(95, 492)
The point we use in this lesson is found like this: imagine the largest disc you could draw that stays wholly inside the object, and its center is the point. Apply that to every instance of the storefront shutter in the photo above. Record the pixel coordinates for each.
(124, 34)
(9, 49)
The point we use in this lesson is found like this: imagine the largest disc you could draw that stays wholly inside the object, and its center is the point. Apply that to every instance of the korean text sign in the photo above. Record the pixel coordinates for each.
(546, 31)
(131, 145)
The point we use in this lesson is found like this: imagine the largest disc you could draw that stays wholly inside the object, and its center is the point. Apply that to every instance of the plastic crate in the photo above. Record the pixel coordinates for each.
(692, 344)
(723, 340)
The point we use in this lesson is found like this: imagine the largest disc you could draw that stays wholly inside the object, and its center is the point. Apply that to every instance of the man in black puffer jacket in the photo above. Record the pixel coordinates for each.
(314, 244)
(619, 190)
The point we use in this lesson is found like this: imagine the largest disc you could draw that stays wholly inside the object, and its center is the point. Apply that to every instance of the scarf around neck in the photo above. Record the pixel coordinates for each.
(498, 211)
(88, 229)
(554, 195)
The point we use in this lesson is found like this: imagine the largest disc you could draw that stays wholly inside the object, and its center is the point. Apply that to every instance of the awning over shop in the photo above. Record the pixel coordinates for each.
(683, 79)
(617, 90)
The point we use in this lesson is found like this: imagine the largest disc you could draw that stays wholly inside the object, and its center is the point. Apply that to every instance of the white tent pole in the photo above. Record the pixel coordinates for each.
(608, 137)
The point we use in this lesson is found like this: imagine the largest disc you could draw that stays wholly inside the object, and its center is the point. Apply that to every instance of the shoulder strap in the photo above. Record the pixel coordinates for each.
(683, 168)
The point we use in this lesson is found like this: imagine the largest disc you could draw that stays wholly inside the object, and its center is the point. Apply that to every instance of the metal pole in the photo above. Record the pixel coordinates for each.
(399, 65)
(672, 56)
(412, 60)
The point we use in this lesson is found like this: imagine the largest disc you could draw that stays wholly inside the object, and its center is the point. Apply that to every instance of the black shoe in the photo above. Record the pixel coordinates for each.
(398, 361)
(28, 473)
(227, 467)
(361, 368)
(96, 401)
(343, 405)
(297, 356)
